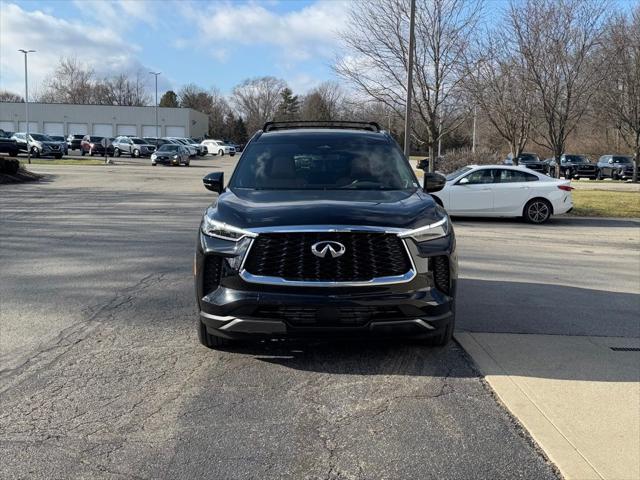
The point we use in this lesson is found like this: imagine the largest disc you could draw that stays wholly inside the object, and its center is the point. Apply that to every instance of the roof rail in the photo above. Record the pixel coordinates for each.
(348, 125)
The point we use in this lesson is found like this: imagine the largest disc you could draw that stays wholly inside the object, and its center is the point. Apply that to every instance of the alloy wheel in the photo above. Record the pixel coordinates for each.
(538, 212)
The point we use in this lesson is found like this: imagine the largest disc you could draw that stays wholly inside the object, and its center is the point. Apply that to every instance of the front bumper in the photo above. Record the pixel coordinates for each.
(239, 309)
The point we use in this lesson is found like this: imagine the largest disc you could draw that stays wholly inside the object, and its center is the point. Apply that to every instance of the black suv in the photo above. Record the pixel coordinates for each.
(324, 229)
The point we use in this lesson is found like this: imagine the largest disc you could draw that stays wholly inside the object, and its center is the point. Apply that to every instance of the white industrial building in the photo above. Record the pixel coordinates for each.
(103, 120)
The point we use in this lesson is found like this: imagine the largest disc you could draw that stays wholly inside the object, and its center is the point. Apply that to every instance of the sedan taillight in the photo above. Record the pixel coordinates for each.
(566, 188)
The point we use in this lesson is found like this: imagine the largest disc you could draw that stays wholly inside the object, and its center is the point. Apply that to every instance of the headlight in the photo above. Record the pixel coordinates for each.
(213, 228)
(175, 157)
(429, 232)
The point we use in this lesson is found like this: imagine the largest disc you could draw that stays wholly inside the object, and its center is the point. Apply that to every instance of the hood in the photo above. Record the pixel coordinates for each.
(266, 208)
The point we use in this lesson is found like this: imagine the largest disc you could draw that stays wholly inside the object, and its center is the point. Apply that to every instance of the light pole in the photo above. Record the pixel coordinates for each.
(26, 99)
(407, 115)
(473, 141)
(155, 74)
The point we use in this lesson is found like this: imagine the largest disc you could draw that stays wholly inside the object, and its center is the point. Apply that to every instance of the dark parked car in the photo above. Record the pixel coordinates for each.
(8, 144)
(134, 146)
(157, 142)
(529, 160)
(615, 167)
(62, 141)
(572, 166)
(39, 144)
(171, 154)
(92, 145)
(73, 142)
(324, 229)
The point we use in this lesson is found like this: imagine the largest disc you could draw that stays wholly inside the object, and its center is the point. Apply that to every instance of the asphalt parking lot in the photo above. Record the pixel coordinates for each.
(102, 375)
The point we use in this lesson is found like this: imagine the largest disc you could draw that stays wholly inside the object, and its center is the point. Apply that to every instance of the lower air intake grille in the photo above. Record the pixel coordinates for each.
(328, 316)
(367, 255)
(211, 276)
(440, 268)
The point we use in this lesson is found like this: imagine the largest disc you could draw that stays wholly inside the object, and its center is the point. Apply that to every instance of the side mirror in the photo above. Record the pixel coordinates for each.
(214, 182)
(463, 181)
(434, 182)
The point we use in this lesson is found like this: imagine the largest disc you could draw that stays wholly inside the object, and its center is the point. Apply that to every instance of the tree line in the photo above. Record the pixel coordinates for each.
(546, 75)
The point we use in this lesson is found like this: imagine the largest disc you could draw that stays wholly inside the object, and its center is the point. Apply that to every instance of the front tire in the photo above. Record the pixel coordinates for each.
(208, 340)
(116, 152)
(221, 153)
(136, 153)
(599, 175)
(82, 152)
(35, 152)
(537, 211)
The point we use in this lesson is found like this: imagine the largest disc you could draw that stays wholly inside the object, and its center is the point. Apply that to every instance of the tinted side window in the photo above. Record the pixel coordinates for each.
(512, 176)
(481, 176)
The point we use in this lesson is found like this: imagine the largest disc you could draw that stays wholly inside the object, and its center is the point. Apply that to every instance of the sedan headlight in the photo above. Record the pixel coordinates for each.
(213, 228)
(432, 231)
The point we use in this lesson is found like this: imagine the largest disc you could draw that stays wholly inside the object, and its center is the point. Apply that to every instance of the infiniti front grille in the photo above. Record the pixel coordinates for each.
(367, 256)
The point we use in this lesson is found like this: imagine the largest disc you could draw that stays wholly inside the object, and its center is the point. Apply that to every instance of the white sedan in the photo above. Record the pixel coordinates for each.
(503, 191)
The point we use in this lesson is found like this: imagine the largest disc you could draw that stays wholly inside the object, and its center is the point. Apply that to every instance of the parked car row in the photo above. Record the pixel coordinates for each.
(573, 166)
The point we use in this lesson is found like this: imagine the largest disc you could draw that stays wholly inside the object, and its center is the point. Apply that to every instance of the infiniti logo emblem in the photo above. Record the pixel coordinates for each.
(320, 249)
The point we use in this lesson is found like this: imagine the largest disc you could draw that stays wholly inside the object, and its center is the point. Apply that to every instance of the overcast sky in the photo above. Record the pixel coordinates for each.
(208, 43)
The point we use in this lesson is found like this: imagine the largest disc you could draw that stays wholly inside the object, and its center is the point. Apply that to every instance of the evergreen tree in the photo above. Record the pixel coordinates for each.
(169, 99)
(289, 107)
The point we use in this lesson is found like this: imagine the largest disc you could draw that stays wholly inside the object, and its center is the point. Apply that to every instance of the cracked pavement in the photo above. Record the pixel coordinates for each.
(101, 374)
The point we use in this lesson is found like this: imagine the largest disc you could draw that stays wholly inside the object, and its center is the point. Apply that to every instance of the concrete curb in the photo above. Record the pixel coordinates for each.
(558, 448)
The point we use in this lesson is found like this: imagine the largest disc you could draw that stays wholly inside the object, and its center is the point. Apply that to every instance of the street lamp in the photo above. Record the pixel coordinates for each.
(407, 115)
(155, 74)
(26, 98)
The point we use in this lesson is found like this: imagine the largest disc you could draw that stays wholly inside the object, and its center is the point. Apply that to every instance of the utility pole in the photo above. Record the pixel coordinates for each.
(407, 115)
(473, 142)
(155, 74)
(26, 99)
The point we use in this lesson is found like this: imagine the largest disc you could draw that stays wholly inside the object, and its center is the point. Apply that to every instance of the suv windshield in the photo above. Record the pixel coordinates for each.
(321, 161)
(576, 159)
(40, 138)
(528, 158)
(617, 159)
(138, 141)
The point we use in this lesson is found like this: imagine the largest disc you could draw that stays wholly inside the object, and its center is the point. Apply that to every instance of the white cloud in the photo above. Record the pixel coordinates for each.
(298, 35)
(52, 37)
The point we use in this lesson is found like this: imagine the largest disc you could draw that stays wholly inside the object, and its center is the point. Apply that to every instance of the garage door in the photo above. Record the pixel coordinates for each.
(127, 130)
(150, 131)
(103, 129)
(54, 128)
(7, 126)
(175, 131)
(33, 127)
(77, 128)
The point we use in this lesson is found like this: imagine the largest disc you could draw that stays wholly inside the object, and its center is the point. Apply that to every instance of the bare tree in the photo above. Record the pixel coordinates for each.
(325, 102)
(558, 40)
(70, 83)
(496, 79)
(7, 96)
(257, 100)
(619, 98)
(377, 43)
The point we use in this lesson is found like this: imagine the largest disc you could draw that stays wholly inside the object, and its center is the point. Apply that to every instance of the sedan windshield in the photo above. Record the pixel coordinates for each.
(336, 161)
(457, 173)
(168, 147)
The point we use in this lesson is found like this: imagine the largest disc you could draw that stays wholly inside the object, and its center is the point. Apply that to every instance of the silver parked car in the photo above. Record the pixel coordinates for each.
(134, 146)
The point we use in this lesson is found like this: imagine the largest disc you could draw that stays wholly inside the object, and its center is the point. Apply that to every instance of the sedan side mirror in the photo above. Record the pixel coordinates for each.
(214, 182)
(434, 182)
